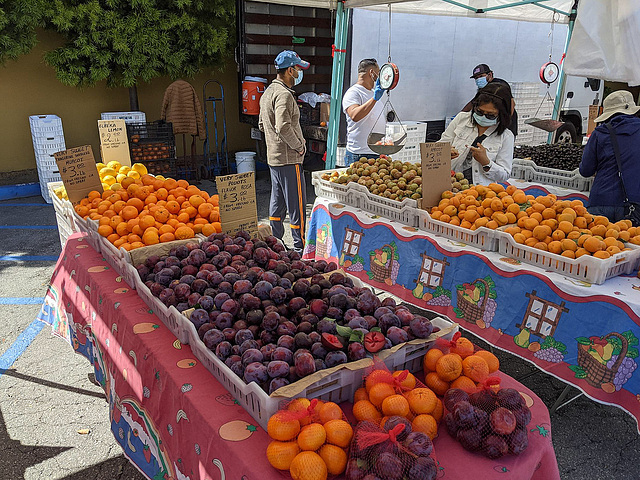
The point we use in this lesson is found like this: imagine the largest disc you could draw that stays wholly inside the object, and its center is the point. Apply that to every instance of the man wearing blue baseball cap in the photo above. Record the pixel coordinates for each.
(280, 121)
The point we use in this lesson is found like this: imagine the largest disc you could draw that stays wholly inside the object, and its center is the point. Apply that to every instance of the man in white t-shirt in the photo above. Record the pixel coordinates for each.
(363, 109)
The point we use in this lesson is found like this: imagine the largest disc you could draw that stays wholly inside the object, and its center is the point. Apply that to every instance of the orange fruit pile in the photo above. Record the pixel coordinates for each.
(562, 227)
(312, 447)
(460, 368)
(379, 400)
(150, 210)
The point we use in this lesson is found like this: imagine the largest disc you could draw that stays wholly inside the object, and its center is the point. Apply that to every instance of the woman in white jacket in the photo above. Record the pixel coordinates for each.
(481, 142)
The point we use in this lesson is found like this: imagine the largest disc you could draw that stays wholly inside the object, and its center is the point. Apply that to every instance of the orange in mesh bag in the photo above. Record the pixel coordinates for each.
(391, 454)
(389, 397)
(491, 420)
(310, 438)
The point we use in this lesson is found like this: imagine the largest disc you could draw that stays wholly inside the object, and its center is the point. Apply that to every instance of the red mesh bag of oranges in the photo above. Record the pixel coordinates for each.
(392, 453)
(387, 398)
(491, 420)
(457, 364)
(310, 439)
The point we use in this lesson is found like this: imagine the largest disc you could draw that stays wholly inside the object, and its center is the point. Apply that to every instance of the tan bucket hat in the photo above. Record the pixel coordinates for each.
(620, 101)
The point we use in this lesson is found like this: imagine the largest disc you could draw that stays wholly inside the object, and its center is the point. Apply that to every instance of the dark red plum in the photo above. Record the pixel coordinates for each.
(182, 306)
(451, 424)
(318, 308)
(424, 468)
(335, 358)
(249, 344)
(189, 270)
(304, 327)
(315, 291)
(358, 322)
(335, 313)
(464, 415)
(510, 398)
(354, 471)
(215, 279)
(320, 365)
(203, 275)
(485, 399)
(374, 342)
(495, 446)
(206, 302)
(418, 443)
(211, 250)
(395, 420)
(239, 325)
(397, 335)
(523, 417)
(235, 350)
(315, 337)
(331, 342)
(168, 297)
(230, 306)
(389, 466)
(302, 340)
(220, 298)
(278, 368)
(229, 334)
(286, 328)
(254, 317)
(371, 321)
(518, 442)
(318, 350)
(251, 355)
(286, 341)
(212, 338)
(191, 246)
(143, 271)
(278, 295)
(337, 278)
(268, 337)
(158, 267)
(224, 320)
(223, 350)
(225, 287)
(453, 396)
(156, 288)
(470, 438)
(297, 303)
(310, 318)
(299, 352)
(199, 317)
(182, 291)
(243, 335)
(405, 316)
(267, 351)
(262, 290)
(283, 310)
(305, 365)
(255, 372)
(368, 303)
(174, 284)
(421, 327)
(193, 299)
(326, 326)
(196, 257)
(388, 320)
(282, 354)
(232, 278)
(503, 421)
(356, 352)
(286, 284)
(301, 288)
(270, 321)
(204, 329)
(164, 276)
(250, 302)
(151, 261)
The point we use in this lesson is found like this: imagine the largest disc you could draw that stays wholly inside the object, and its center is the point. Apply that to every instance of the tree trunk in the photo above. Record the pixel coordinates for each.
(133, 99)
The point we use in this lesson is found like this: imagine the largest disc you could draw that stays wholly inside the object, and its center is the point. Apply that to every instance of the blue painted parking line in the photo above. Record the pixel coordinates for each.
(25, 205)
(20, 345)
(28, 227)
(28, 258)
(21, 300)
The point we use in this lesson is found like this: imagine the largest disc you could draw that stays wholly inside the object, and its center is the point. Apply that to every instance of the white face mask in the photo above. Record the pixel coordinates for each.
(298, 79)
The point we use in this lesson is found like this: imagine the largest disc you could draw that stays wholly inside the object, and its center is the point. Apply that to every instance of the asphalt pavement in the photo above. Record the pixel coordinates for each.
(54, 422)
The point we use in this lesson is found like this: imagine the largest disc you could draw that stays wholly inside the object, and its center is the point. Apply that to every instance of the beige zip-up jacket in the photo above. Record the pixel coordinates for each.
(280, 121)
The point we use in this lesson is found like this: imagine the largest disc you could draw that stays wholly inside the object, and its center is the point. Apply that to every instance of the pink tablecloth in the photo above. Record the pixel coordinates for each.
(174, 420)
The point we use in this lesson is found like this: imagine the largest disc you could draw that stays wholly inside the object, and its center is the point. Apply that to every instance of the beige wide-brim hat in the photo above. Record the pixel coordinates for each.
(618, 102)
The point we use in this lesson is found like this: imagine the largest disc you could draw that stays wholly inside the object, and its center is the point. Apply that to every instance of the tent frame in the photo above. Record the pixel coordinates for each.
(339, 60)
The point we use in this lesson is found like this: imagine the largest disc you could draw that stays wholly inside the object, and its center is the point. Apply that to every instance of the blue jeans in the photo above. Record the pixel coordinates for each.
(350, 157)
(613, 213)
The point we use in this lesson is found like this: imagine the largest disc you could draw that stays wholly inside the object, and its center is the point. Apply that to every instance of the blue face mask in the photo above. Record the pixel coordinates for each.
(481, 82)
(298, 79)
(483, 121)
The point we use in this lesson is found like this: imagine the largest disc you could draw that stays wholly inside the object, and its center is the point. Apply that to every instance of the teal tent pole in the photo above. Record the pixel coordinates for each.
(561, 78)
(337, 78)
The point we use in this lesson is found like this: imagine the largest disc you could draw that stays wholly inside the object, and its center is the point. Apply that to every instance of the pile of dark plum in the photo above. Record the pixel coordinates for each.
(271, 317)
(563, 156)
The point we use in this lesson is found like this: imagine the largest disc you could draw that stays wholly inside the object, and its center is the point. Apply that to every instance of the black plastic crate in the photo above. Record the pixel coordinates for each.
(165, 167)
(151, 142)
(309, 115)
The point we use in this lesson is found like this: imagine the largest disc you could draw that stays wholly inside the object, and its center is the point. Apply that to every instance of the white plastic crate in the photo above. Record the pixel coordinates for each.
(585, 268)
(62, 209)
(48, 145)
(524, 90)
(128, 117)
(527, 170)
(409, 153)
(482, 238)
(340, 154)
(331, 190)
(337, 387)
(527, 102)
(90, 228)
(45, 125)
(46, 163)
(45, 178)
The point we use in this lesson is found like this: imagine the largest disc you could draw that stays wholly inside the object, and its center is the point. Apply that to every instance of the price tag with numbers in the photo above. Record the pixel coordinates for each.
(238, 202)
(78, 171)
(114, 144)
(436, 172)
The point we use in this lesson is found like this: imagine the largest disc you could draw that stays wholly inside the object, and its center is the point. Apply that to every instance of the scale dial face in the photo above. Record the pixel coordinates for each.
(389, 76)
(549, 72)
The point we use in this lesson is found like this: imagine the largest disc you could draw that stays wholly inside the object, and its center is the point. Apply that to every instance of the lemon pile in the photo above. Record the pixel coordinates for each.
(112, 174)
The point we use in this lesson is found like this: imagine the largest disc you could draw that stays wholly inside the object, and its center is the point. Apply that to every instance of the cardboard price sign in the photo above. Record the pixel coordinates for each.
(436, 172)
(114, 144)
(238, 203)
(78, 171)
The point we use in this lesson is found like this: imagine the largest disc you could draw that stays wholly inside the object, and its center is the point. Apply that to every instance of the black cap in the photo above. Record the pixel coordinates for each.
(480, 70)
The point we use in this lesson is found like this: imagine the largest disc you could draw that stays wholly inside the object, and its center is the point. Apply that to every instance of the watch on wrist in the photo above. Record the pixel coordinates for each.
(487, 167)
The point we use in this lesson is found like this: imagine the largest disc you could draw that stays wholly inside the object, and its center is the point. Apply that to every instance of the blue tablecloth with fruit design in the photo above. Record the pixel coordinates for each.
(174, 420)
(584, 334)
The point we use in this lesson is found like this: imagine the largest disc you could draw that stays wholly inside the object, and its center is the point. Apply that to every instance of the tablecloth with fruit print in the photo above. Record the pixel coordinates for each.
(584, 334)
(174, 420)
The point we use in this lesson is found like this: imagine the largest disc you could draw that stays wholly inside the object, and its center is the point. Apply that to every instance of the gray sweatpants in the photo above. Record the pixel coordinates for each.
(288, 194)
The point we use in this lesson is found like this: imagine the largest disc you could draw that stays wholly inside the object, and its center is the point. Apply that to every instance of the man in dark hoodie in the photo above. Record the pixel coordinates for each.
(606, 197)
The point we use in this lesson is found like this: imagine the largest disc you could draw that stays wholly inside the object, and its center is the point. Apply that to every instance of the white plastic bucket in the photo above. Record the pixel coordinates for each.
(245, 162)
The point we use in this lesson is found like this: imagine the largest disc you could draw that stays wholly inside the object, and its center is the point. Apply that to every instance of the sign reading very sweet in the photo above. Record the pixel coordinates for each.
(114, 144)
(238, 203)
(78, 172)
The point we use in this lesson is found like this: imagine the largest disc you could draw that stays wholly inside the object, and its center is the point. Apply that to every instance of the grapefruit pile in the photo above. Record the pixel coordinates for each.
(562, 227)
(309, 440)
(461, 368)
(387, 395)
(149, 210)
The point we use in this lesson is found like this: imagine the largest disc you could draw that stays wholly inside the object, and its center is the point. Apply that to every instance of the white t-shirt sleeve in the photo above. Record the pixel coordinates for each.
(351, 97)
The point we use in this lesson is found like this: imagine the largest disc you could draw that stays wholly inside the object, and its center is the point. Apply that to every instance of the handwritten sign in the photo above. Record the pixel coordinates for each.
(114, 144)
(238, 203)
(436, 172)
(78, 171)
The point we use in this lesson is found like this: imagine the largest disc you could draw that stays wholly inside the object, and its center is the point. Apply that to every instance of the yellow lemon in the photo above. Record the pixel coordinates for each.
(109, 179)
(107, 171)
(114, 164)
(160, 177)
(116, 186)
(140, 168)
(133, 174)
(100, 165)
(120, 177)
(124, 169)
(106, 186)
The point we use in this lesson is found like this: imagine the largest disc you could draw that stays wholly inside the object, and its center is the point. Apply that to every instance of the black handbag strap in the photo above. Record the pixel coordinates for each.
(616, 152)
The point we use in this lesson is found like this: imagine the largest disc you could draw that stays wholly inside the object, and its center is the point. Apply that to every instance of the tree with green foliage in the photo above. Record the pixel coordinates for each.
(18, 22)
(128, 41)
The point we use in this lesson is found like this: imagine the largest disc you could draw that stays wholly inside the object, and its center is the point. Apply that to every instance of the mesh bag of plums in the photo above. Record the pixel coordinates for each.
(491, 421)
